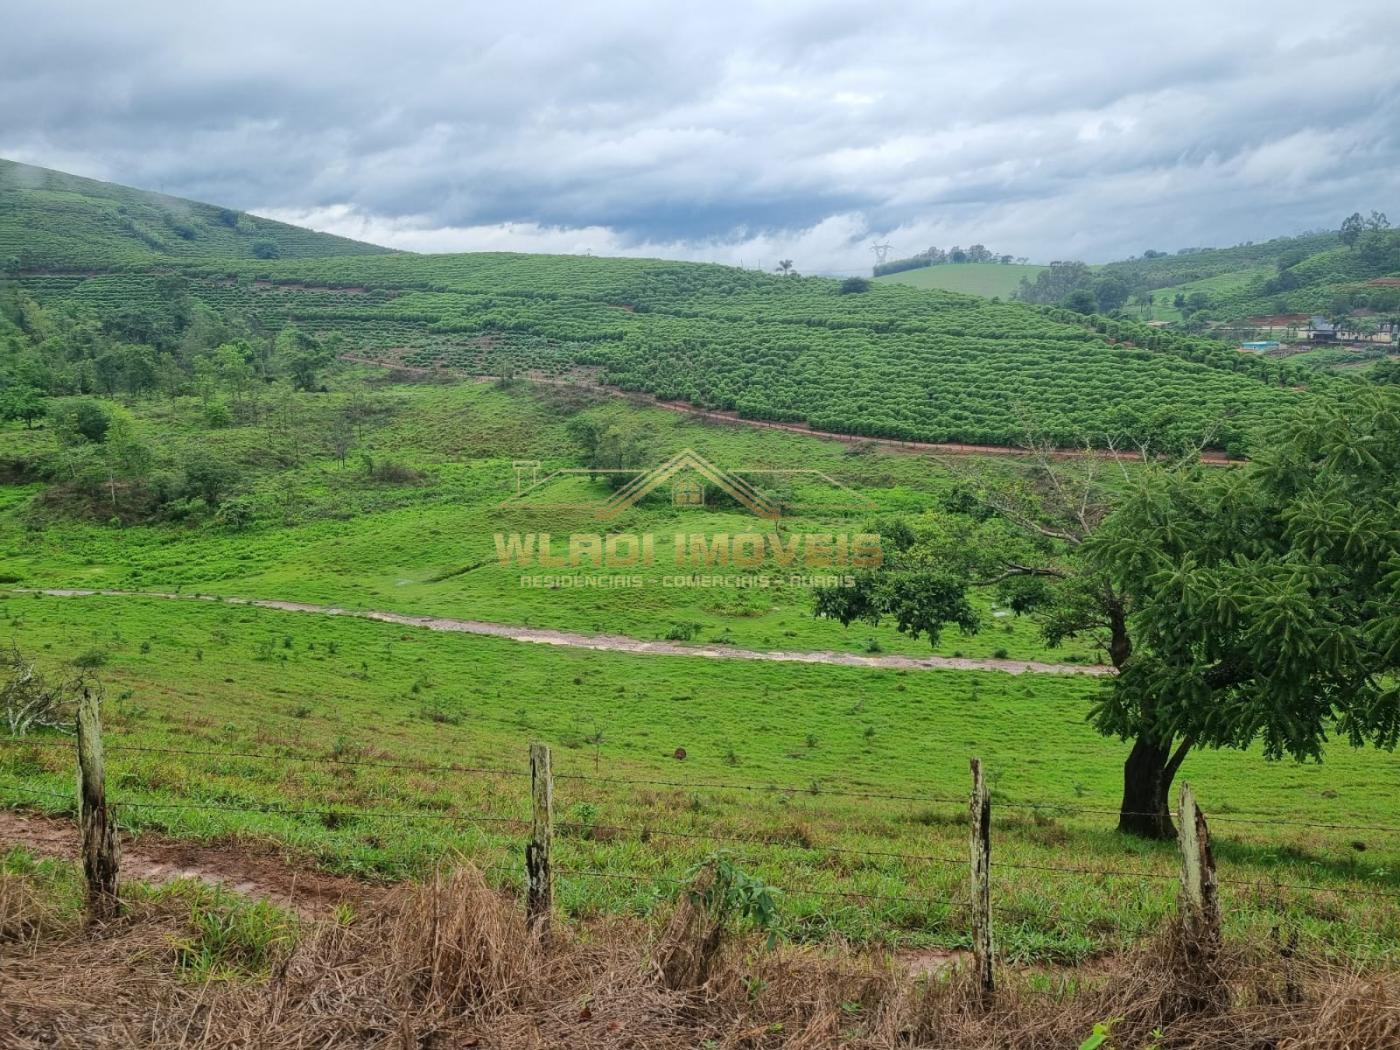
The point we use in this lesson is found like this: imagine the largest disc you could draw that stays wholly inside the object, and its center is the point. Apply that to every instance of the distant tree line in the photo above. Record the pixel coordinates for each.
(977, 253)
(1316, 273)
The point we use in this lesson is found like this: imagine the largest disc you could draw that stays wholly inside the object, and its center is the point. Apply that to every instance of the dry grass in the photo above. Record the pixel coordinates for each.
(450, 963)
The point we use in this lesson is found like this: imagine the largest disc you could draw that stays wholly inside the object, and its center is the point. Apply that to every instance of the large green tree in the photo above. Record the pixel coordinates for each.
(1255, 603)
(22, 402)
(1265, 599)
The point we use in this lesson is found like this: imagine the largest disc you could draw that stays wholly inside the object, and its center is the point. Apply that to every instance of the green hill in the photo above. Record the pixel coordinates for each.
(1313, 273)
(891, 361)
(52, 220)
(989, 279)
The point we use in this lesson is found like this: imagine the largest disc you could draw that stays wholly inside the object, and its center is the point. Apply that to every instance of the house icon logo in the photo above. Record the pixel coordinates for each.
(687, 472)
(689, 477)
(687, 492)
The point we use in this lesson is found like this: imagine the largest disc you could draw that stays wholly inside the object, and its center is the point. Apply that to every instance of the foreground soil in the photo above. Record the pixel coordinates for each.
(251, 870)
(452, 963)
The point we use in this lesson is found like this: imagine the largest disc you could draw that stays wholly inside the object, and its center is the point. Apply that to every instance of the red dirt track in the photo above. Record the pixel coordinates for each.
(1218, 459)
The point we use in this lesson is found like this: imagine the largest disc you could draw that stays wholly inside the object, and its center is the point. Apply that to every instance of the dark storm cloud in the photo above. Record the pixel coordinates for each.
(726, 130)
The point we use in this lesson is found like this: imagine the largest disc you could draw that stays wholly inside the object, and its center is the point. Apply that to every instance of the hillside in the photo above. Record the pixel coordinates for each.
(989, 279)
(892, 362)
(1168, 269)
(1315, 273)
(889, 361)
(51, 220)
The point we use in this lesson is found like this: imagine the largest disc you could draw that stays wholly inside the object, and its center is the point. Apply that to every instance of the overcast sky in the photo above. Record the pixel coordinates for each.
(733, 132)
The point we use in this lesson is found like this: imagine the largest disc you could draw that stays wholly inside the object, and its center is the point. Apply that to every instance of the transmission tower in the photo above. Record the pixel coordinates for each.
(882, 252)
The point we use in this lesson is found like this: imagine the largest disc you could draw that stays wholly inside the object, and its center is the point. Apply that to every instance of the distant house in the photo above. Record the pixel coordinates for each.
(1321, 330)
(1261, 346)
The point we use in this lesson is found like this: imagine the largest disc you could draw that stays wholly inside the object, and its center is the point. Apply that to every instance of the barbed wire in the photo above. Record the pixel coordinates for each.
(348, 811)
(815, 789)
(421, 767)
(297, 811)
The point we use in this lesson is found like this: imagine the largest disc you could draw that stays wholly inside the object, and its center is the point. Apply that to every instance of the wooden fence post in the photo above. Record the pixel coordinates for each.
(1200, 900)
(539, 893)
(96, 819)
(981, 880)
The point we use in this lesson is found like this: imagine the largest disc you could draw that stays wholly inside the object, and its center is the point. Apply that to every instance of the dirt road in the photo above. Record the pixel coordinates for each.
(248, 869)
(615, 643)
(1216, 459)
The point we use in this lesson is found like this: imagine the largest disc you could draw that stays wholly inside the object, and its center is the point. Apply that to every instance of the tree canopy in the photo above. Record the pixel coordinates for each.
(1266, 599)
(1255, 603)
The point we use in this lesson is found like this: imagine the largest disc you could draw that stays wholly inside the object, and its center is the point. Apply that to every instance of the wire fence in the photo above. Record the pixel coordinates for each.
(1049, 807)
(576, 832)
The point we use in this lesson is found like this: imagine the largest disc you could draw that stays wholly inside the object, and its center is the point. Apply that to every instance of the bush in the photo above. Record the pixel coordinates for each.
(209, 477)
(236, 513)
(682, 631)
(87, 420)
(266, 250)
(90, 659)
(394, 472)
(217, 415)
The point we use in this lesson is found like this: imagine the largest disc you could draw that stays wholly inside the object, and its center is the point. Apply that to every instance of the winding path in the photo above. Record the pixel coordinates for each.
(613, 643)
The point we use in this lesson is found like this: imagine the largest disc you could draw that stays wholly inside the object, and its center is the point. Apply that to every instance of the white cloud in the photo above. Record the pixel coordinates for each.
(734, 131)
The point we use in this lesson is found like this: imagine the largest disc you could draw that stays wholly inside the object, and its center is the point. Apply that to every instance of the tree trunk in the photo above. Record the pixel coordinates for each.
(1147, 782)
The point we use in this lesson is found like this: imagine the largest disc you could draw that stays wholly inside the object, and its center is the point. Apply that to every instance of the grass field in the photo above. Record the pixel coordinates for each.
(843, 787)
(989, 279)
(1223, 290)
(323, 532)
(768, 751)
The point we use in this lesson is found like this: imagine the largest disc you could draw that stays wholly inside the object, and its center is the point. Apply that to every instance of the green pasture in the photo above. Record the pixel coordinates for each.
(357, 717)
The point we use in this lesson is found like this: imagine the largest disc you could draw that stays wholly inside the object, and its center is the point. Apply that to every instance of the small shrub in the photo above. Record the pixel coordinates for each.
(31, 700)
(233, 939)
(393, 472)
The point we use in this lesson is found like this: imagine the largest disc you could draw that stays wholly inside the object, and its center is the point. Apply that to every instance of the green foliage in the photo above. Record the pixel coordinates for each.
(210, 477)
(1267, 599)
(1387, 373)
(1098, 1038)
(989, 279)
(733, 895)
(1055, 283)
(81, 421)
(230, 938)
(1081, 301)
(22, 402)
